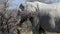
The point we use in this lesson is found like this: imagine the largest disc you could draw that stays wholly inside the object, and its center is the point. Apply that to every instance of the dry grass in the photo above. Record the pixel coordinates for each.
(27, 30)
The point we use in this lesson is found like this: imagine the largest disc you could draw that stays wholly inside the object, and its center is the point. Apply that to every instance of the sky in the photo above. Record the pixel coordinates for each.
(13, 4)
(22, 1)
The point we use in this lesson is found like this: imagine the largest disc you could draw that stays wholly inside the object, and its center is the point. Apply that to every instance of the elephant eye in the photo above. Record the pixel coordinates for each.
(21, 7)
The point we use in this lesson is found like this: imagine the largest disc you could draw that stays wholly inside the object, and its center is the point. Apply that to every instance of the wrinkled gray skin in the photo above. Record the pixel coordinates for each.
(42, 15)
(9, 22)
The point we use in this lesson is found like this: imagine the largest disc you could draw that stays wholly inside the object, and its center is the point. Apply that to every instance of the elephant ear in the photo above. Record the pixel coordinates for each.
(21, 7)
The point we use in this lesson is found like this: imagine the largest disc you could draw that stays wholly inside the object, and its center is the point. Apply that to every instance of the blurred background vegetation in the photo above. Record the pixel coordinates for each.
(13, 4)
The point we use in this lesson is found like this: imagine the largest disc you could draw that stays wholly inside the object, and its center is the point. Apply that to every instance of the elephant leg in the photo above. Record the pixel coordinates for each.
(35, 31)
(35, 21)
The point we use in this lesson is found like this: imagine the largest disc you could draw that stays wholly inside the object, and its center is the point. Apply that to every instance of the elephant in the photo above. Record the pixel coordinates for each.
(41, 15)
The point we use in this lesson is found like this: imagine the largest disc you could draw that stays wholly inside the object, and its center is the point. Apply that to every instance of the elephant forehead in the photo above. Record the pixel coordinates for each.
(31, 8)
